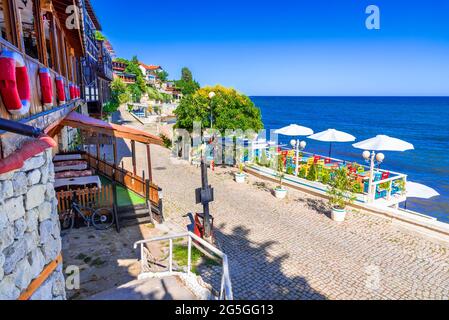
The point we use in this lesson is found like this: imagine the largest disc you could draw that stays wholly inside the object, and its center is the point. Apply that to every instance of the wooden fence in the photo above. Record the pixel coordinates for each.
(93, 197)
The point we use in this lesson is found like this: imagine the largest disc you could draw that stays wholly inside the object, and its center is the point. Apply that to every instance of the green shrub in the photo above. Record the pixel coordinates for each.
(312, 175)
(167, 141)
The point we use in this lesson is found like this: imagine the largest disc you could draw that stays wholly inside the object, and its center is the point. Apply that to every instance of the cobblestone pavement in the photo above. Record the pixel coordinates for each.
(290, 249)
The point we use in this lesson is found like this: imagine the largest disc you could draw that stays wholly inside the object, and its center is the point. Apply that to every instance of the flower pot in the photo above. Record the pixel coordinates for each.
(240, 177)
(280, 193)
(338, 215)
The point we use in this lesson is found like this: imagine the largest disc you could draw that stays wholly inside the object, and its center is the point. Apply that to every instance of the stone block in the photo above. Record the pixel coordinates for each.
(34, 177)
(50, 193)
(32, 240)
(22, 274)
(6, 237)
(46, 230)
(7, 176)
(45, 211)
(13, 254)
(37, 262)
(58, 284)
(8, 289)
(32, 220)
(33, 163)
(51, 250)
(13, 208)
(20, 184)
(35, 197)
(19, 228)
(6, 190)
(44, 292)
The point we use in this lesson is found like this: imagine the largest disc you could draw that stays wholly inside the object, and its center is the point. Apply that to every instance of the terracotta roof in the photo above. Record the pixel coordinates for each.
(150, 67)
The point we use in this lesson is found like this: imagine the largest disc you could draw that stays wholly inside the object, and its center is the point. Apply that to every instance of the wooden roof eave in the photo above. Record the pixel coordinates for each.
(145, 139)
(74, 36)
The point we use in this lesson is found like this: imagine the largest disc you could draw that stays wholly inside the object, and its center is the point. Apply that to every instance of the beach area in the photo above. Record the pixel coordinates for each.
(291, 249)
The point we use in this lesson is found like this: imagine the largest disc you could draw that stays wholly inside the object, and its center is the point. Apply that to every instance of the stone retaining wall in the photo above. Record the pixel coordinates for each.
(29, 230)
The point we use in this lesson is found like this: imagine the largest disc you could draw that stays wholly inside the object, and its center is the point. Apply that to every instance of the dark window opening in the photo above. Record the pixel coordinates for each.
(27, 17)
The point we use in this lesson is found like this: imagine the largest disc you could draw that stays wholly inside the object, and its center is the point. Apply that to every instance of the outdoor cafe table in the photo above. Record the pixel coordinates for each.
(67, 157)
(82, 181)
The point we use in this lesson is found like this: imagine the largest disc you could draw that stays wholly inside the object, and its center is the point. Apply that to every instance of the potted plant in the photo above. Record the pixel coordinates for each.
(340, 194)
(240, 176)
(280, 192)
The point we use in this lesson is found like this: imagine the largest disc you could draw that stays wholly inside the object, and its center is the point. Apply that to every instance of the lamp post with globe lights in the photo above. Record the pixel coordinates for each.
(299, 146)
(374, 159)
(211, 96)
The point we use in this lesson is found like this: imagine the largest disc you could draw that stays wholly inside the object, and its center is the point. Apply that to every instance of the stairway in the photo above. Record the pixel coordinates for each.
(131, 216)
(168, 288)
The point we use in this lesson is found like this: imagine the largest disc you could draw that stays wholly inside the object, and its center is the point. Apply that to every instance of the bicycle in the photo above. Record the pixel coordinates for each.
(101, 219)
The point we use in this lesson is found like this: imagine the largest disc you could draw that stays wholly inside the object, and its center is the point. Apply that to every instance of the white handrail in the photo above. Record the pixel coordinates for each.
(226, 285)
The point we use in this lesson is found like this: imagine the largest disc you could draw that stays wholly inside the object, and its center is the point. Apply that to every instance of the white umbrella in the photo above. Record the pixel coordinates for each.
(384, 143)
(417, 190)
(381, 143)
(332, 135)
(294, 130)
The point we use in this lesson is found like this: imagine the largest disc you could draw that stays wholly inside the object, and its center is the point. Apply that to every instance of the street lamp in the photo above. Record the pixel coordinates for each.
(211, 96)
(373, 159)
(299, 146)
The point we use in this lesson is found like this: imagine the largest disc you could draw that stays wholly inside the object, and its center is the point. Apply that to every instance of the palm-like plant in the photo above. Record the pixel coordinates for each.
(340, 189)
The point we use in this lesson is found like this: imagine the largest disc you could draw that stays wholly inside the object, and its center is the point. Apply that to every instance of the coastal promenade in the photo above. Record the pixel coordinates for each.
(290, 249)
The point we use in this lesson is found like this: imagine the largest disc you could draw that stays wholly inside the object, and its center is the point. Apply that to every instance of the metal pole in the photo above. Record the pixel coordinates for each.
(371, 178)
(133, 151)
(297, 159)
(205, 186)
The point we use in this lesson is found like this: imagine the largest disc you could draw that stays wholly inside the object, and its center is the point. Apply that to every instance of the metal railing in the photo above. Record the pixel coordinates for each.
(226, 285)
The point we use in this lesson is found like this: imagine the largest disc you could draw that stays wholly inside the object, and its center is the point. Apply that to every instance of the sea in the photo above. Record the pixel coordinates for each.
(422, 121)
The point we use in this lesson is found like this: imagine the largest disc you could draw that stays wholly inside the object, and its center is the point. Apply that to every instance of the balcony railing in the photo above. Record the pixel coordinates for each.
(226, 286)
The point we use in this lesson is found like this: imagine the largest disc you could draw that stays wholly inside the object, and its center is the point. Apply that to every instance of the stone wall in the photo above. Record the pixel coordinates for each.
(29, 230)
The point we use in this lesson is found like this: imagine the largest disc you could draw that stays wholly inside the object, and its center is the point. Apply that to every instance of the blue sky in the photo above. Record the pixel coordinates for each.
(290, 47)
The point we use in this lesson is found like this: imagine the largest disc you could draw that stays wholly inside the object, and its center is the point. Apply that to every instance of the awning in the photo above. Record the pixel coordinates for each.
(77, 120)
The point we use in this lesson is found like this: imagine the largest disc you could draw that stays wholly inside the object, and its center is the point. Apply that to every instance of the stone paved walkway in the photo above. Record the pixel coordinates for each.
(290, 249)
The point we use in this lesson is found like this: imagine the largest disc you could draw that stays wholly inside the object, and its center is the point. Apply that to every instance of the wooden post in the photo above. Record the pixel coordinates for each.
(115, 205)
(133, 150)
(147, 196)
(150, 174)
(115, 156)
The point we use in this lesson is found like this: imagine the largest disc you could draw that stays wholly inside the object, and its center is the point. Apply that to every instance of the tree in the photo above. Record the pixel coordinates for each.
(230, 109)
(162, 75)
(133, 68)
(186, 74)
(187, 85)
(120, 95)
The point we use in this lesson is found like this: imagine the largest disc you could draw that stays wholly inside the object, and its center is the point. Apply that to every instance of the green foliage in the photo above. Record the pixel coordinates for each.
(280, 172)
(186, 74)
(302, 172)
(290, 171)
(133, 68)
(99, 36)
(312, 175)
(154, 94)
(340, 189)
(167, 141)
(325, 177)
(231, 110)
(121, 60)
(187, 84)
(357, 188)
(120, 95)
(162, 75)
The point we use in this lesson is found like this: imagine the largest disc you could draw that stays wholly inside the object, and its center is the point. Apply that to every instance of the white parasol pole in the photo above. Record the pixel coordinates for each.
(371, 194)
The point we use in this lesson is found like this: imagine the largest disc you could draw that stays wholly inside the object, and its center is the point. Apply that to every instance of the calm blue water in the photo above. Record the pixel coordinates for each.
(421, 121)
